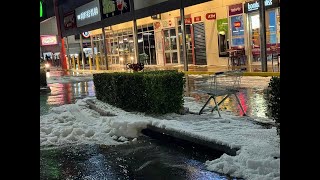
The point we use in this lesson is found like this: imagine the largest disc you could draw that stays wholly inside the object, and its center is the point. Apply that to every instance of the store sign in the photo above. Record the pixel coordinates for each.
(114, 7)
(41, 9)
(48, 40)
(69, 20)
(237, 24)
(197, 19)
(210, 16)
(235, 9)
(139, 4)
(86, 34)
(188, 20)
(168, 23)
(254, 5)
(88, 13)
(222, 25)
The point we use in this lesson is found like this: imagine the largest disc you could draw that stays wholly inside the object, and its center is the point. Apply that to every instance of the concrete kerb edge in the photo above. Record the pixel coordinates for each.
(195, 140)
(263, 74)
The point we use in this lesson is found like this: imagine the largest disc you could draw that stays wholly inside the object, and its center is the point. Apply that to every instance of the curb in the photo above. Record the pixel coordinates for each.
(263, 74)
(191, 140)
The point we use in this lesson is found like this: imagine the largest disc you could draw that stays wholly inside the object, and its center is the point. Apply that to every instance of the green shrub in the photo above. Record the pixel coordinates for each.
(156, 92)
(274, 100)
(43, 78)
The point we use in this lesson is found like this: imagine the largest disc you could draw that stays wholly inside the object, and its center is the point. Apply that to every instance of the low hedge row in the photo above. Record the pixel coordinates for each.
(156, 92)
(274, 100)
(43, 78)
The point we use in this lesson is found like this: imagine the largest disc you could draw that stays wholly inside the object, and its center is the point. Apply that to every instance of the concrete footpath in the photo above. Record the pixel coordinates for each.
(192, 70)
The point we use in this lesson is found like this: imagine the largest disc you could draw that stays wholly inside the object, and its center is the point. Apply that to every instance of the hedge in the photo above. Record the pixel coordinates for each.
(274, 100)
(153, 92)
(43, 78)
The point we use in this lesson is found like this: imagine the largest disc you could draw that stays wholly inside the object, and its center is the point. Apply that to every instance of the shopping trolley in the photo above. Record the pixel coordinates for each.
(224, 84)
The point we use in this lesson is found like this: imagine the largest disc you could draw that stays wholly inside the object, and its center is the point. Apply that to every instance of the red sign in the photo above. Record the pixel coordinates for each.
(197, 19)
(188, 20)
(235, 9)
(237, 24)
(211, 16)
(48, 40)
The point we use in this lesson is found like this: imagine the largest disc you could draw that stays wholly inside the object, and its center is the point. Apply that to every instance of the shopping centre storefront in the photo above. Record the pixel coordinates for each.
(211, 28)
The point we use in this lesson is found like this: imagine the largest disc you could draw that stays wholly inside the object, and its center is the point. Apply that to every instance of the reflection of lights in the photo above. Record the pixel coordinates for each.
(79, 88)
(242, 98)
(255, 21)
(147, 33)
(91, 91)
(85, 86)
(47, 74)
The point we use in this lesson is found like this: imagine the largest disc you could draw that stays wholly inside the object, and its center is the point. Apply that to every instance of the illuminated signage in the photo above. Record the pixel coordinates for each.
(235, 9)
(88, 13)
(197, 19)
(48, 40)
(114, 7)
(41, 10)
(86, 34)
(254, 6)
(237, 24)
(188, 20)
(211, 16)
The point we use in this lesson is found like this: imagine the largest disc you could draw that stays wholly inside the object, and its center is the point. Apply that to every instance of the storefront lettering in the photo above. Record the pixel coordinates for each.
(88, 14)
(255, 5)
(188, 20)
(235, 9)
(198, 18)
(211, 16)
(48, 40)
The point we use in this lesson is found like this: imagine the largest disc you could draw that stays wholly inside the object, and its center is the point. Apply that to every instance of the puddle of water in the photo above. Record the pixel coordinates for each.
(251, 96)
(66, 93)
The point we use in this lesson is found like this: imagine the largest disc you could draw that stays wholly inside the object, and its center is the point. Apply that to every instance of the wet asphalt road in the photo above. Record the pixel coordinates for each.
(144, 159)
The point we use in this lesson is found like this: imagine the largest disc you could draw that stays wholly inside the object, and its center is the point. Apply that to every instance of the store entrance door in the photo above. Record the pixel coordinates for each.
(272, 34)
(200, 44)
(170, 46)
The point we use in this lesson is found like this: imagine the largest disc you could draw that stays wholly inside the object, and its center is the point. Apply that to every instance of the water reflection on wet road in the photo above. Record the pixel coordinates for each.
(143, 159)
(251, 95)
